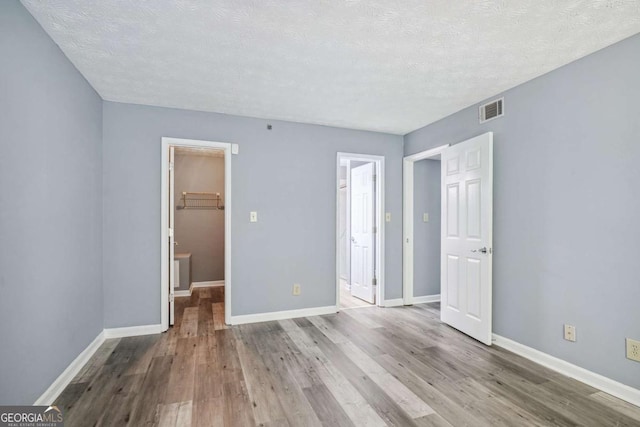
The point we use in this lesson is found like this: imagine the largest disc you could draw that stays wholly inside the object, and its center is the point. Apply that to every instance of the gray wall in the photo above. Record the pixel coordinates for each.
(287, 175)
(566, 206)
(426, 241)
(50, 209)
(200, 231)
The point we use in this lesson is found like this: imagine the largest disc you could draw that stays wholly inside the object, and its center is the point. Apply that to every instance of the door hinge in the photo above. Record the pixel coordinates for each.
(171, 298)
(375, 229)
(374, 282)
(375, 177)
(171, 232)
(170, 166)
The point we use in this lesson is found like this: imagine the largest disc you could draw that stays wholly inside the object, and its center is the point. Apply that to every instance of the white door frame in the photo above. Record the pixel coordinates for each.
(164, 218)
(407, 218)
(380, 215)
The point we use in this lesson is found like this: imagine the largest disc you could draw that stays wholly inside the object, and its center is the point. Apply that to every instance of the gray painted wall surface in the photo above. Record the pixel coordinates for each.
(566, 206)
(50, 209)
(200, 231)
(426, 235)
(287, 175)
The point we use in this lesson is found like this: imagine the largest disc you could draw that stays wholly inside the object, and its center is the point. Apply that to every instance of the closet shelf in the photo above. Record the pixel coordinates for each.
(199, 200)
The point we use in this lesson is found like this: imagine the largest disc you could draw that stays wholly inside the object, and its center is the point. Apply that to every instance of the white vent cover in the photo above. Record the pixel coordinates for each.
(492, 110)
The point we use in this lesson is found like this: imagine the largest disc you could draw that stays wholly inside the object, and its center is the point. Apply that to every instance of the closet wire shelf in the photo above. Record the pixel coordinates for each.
(193, 200)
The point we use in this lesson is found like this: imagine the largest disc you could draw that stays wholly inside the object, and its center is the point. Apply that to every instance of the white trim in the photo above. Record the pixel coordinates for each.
(132, 331)
(63, 380)
(394, 302)
(182, 293)
(209, 284)
(407, 218)
(164, 215)
(426, 299)
(281, 315)
(614, 388)
(380, 221)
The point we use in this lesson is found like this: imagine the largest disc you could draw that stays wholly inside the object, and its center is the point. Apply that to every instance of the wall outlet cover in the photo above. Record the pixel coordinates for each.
(633, 349)
(387, 217)
(296, 289)
(253, 216)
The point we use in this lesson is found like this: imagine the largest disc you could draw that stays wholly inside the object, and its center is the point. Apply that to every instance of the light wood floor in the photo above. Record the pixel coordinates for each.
(349, 301)
(365, 366)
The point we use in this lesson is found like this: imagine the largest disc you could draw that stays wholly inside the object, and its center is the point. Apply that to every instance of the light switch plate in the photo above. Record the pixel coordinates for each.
(296, 289)
(235, 149)
(253, 216)
(425, 217)
(387, 217)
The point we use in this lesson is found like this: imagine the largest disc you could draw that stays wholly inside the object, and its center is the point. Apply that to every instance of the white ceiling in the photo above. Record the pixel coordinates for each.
(387, 65)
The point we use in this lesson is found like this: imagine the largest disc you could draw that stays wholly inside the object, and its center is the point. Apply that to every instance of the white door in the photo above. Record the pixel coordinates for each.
(172, 210)
(362, 232)
(467, 236)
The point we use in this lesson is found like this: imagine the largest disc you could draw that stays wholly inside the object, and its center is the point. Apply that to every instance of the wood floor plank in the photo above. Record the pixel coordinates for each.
(91, 368)
(189, 323)
(326, 406)
(352, 402)
(365, 366)
(181, 383)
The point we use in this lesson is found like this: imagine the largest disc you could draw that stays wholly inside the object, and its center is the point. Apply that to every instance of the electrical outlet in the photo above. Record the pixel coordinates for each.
(569, 332)
(296, 289)
(387, 217)
(425, 217)
(253, 216)
(633, 349)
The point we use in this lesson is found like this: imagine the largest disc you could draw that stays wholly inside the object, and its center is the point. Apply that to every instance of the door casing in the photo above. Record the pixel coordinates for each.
(164, 220)
(380, 221)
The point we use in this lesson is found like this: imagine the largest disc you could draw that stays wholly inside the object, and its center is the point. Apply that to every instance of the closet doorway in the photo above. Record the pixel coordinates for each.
(196, 199)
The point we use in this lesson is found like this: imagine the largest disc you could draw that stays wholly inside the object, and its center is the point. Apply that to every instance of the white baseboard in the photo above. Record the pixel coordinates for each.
(426, 299)
(281, 315)
(393, 302)
(54, 390)
(182, 293)
(614, 388)
(132, 331)
(209, 284)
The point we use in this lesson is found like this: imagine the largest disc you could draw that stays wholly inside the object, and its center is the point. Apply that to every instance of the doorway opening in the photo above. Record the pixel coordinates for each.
(196, 202)
(359, 231)
(466, 234)
(422, 226)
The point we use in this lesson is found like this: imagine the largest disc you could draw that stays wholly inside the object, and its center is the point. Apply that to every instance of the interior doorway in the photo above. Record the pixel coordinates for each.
(359, 231)
(195, 217)
(466, 233)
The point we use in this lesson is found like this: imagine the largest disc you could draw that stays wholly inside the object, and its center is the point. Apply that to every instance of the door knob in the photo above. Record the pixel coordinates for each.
(482, 250)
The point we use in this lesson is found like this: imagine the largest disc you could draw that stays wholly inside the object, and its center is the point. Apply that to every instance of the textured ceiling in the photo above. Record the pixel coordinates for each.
(387, 65)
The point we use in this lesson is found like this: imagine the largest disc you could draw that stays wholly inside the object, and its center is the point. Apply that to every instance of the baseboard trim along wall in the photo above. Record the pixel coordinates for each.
(614, 388)
(188, 292)
(209, 284)
(182, 293)
(54, 390)
(426, 299)
(281, 315)
(393, 302)
(132, 331)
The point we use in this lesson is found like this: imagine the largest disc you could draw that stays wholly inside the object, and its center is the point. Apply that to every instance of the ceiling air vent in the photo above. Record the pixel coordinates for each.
(492, 110)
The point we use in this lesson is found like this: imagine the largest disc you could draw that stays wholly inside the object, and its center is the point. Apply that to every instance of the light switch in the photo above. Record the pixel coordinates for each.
(235, 149)
(253, 216)
(387, 217)
(425, 217)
